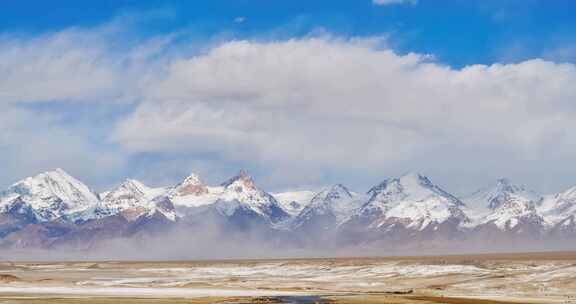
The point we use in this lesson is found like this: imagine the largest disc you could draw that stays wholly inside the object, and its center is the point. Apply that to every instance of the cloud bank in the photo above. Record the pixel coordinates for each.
(304, 111)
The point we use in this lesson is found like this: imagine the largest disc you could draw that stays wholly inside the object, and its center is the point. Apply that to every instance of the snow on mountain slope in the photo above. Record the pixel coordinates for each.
(240, 195)
(50, 195)
(505, 205)
(411, 200)
(485, 201)
(558, 207)
(329, 207)
(293, 202)
(192, 193)
(191, 185)
(513, 212)
(131, 196)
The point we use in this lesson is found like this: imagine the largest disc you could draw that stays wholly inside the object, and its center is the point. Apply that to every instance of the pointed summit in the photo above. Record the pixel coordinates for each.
(332, 193)
(134, 186)
(191, 185)
(242, 199)
(414, 178)
(411, 201)
(192, 179)
(130, 197)
(505, 205)
(327, 209)
(504, 190)
(58, 171)
(241, 179)
(130, 193)
(411, 186)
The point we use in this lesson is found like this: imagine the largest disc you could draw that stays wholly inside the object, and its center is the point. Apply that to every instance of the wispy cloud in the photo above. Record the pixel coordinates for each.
(240, 19)
(392, 2)
(303, 109)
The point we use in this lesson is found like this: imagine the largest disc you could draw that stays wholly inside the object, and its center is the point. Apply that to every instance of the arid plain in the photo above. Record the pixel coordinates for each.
(490, 278)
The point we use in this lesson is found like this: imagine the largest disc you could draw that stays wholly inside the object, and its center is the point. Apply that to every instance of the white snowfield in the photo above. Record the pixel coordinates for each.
(294, 201)
(412, 200)
(50, 195)
(241, 191)
(336, 202)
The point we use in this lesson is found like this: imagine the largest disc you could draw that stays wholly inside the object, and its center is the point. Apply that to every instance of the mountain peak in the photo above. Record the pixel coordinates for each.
(191, 185)
(415, 178)
(192, 179)
(506, 185)
(403, 186)
(59, 171)
(241, 195)
(504, 190)
(131, 197)
(412, 187)
(52, 194)
(56, 174)
(242, 178)
(334, 192)
(128, 188)
(133, 185)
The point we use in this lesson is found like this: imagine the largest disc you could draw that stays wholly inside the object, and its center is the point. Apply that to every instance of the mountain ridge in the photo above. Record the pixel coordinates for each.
(405, 208)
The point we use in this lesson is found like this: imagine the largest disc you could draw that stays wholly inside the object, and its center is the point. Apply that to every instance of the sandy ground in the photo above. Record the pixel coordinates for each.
(516, 278)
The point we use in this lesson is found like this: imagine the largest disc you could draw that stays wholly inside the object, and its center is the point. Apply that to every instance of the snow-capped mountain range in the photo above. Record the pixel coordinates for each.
(54, 207)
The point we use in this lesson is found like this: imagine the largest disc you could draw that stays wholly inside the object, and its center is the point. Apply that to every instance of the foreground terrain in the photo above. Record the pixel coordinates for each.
(517, 278)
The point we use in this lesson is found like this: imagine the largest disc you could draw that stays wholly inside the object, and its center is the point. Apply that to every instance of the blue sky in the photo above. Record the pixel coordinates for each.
(157, 89)
(457, 32)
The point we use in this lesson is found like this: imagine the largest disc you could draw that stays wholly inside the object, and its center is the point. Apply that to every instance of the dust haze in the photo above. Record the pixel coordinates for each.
(211, 242)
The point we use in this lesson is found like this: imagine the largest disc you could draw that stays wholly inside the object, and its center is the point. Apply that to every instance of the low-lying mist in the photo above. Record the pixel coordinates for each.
(212, 243)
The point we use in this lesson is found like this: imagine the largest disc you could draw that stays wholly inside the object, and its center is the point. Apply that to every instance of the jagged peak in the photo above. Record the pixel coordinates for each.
(192, 179)
(59, 171)
(503, 191)
(57, 182)
(506, 185)
(415, 178)
(396, 185)
(335, 191)
(410, 186)
(191, 185)
(56, 175)
(242, 178)
(133, 184)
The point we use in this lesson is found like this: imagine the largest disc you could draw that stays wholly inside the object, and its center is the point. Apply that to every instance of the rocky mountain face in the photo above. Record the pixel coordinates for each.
(47, 196)
(132, 199)
(327, 209)
(408, 207)
(559, 212)
(54, 209)
(507, 210)
(241, 205)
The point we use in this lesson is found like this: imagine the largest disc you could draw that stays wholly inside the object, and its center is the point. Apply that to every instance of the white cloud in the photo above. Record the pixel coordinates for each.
(392, 2)
(349, 106)
(240, 19)
(44, 78)
(56, 67)
(32, 142)
(304, 110)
